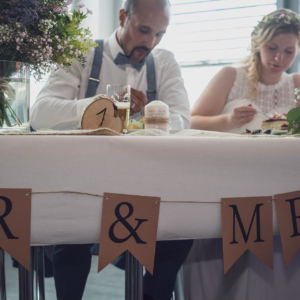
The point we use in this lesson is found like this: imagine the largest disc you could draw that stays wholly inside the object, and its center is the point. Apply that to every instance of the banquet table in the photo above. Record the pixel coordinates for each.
(184, 169)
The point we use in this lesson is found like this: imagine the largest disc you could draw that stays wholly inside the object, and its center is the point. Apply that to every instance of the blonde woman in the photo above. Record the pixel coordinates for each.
(261, 84)
(239, 98)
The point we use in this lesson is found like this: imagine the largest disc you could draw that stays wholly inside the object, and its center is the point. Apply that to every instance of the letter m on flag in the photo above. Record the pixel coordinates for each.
(236, 216)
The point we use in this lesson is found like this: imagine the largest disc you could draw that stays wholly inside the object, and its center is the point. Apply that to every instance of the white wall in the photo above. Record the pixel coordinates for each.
(104, 19)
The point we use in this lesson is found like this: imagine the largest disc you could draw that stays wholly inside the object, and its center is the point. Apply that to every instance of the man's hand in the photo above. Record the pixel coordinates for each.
(138, 101)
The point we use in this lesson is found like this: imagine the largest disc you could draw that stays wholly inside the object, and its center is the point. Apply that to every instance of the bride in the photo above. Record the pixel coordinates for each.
(239, 98)
(236, 99)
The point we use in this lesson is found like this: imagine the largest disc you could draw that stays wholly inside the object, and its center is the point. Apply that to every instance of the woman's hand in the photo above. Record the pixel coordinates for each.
(242, 115)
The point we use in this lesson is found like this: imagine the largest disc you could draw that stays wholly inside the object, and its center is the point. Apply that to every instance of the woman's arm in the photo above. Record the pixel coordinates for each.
(205, 113)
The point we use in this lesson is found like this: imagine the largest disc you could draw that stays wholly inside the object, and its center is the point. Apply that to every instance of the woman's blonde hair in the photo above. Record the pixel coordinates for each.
(273, 24)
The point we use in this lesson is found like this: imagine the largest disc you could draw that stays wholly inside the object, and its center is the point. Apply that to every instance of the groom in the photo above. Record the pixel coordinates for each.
(128, 56)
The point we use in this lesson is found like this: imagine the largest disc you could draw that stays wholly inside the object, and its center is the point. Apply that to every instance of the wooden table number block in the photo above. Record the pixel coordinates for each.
(100, 113)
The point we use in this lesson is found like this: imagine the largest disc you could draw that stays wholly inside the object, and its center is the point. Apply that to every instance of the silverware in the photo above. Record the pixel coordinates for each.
(263, 114)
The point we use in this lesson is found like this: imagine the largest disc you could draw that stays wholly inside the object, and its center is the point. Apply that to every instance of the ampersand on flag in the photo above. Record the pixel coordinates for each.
(122, 220)
(129, 222)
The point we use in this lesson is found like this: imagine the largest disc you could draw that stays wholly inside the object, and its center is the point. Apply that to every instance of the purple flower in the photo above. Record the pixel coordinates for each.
(56, 9)
(80, 5)
(24, 11)
(69, 2)
(89, 11)
(281, 16)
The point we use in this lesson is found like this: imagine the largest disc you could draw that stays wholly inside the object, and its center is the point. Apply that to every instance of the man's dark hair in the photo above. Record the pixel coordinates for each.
(130, 6)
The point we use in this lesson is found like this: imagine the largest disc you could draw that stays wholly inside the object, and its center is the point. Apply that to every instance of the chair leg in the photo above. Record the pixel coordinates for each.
(178, 293)
(2, 275)
(39, 273)
(26, 280)
(133, 278)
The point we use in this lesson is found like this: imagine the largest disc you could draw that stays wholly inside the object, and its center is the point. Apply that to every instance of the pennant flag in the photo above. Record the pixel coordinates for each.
(129, 222)
(15, 217)
(247, 224)
(288, 214)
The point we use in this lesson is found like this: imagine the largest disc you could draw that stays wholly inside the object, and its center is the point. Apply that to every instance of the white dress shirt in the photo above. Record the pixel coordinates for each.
(60, 103)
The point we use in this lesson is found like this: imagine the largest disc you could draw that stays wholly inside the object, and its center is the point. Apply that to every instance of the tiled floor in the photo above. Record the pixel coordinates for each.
(109, 284)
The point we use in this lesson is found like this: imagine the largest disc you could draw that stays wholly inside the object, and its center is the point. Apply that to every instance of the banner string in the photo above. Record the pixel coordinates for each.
(66, 192)
(101, 196)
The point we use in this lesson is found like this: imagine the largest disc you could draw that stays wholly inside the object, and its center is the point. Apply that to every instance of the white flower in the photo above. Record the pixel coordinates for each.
(58, 46)
(71, 46)
(49, 40)
(71, 52)
(67, 60)
(18, 48)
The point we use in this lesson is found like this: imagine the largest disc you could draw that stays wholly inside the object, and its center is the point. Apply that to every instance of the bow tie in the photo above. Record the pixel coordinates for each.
(121, 59)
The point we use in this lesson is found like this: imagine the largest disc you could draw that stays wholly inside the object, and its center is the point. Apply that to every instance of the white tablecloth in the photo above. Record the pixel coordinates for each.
(173, 168)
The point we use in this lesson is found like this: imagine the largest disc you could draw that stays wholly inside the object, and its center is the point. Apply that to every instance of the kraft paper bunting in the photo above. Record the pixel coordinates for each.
(15, 218)
(247, 224)
(288, 214)
(129, 222)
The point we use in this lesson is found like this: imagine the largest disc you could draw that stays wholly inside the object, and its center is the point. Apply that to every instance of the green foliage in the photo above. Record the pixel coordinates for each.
(293, 116)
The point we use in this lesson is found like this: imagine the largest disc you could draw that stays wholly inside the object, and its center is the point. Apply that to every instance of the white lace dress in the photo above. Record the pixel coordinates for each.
(249, 278)
(270, 99)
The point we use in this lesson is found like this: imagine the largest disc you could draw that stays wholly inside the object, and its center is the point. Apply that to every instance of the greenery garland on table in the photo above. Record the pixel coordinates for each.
(43, 34)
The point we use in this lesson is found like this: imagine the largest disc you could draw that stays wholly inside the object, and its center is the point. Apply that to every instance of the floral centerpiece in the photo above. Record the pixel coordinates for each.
(43, 34)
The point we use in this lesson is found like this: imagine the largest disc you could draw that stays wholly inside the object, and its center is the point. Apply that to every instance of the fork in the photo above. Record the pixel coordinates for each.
(263, 114)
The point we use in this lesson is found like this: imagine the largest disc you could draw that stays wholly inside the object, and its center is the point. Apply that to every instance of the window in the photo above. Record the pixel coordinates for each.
(206, 35)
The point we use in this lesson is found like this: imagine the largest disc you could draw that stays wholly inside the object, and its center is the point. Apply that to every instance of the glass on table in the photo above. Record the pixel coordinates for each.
(121, 95)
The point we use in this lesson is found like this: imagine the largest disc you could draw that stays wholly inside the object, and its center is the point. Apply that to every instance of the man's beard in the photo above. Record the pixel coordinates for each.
(144, 48)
